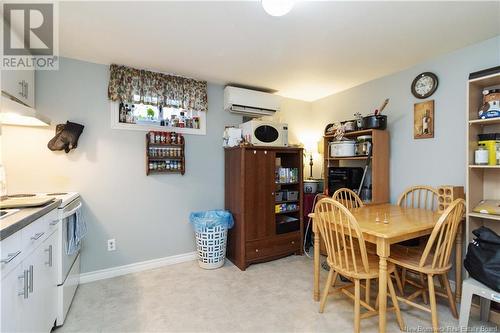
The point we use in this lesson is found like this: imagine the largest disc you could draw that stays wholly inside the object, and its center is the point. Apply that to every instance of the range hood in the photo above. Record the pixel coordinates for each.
(15, 113)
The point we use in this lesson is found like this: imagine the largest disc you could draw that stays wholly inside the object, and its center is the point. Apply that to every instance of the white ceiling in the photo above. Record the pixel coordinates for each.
(319, 48)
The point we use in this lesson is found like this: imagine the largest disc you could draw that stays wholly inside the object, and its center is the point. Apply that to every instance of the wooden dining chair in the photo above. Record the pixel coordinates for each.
(423, 197)
(420, 196)
(348, 257)
(348, 198)
(434, 260)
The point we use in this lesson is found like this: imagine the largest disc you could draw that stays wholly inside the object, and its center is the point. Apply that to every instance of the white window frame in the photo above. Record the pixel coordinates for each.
(116, 124)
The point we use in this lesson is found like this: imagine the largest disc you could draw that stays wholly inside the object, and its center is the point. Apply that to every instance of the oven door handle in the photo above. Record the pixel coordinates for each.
(71, 212)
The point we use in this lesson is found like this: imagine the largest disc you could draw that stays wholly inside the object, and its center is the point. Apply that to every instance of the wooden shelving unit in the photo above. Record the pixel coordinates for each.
(379, 163)
(165, 157)
(260, 233)
(483, 181)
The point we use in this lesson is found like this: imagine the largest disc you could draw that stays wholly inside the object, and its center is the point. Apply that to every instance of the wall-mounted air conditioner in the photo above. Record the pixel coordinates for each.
(250, 103)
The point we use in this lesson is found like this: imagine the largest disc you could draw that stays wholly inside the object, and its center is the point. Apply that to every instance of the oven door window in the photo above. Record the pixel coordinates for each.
(266, 134)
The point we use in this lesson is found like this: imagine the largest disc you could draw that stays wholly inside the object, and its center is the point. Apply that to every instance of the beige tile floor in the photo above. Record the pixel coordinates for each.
(269, 297)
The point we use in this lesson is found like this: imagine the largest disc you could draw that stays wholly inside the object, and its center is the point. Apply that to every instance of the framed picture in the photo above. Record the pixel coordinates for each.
(423, 120)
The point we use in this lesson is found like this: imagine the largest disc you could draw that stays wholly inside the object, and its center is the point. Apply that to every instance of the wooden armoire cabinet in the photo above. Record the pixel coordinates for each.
(264, 192)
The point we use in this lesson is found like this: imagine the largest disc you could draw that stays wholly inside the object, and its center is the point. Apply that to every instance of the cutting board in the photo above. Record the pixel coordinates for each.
(24, 202)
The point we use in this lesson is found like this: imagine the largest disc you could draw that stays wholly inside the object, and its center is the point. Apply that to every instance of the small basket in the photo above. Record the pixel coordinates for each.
(211, 246)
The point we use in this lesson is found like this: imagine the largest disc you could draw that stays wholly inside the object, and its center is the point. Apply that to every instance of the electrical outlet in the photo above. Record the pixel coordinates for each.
(111, 244)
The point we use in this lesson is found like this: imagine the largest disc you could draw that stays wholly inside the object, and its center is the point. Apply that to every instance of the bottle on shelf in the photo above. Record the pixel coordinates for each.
(122, 113)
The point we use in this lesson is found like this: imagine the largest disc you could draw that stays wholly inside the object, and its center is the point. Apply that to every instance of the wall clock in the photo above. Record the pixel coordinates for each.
(424, 85)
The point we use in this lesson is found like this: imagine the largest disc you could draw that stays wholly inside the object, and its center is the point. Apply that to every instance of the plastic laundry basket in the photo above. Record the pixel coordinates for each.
(210, 229)
(211, 246)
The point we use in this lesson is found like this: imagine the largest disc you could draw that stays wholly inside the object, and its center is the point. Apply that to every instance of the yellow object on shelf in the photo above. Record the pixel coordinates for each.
(491, 146)
(488, 207)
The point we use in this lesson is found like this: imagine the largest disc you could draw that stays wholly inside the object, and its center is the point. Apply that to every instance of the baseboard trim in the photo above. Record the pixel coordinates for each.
(136, 267)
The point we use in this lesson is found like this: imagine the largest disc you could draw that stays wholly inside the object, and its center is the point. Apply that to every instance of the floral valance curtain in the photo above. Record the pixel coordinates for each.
(128, 84)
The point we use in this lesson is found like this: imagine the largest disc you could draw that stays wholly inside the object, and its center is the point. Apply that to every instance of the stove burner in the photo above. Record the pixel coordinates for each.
(21, 195)
(57, 193)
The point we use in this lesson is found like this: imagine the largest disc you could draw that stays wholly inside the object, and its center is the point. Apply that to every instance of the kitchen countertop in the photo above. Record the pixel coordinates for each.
(15, 222)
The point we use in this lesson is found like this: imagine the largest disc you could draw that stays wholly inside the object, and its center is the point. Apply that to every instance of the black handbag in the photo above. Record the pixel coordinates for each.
(482, 260)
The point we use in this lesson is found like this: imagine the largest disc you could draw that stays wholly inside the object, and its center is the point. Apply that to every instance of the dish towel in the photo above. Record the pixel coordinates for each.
(77, 229)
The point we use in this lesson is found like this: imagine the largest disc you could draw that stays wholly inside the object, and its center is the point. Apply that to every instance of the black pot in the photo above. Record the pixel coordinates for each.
(375, 122)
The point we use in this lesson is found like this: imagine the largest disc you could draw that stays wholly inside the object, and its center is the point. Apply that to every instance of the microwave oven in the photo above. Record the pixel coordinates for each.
(265, 133)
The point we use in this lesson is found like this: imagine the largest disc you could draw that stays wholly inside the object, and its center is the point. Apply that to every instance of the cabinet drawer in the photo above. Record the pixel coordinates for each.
(272, 247)
(11, 252)
(36, 232)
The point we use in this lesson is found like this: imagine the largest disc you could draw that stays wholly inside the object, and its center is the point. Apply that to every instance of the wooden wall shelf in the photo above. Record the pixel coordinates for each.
(166, 157)
(485, 122)
(485, 216)
(473, 166)
(352, 134)
(347, 158)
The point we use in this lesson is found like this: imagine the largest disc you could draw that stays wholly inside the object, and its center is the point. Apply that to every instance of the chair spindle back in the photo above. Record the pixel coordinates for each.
(348, 198)
(339, 230)
(419, 197)
(442, 239)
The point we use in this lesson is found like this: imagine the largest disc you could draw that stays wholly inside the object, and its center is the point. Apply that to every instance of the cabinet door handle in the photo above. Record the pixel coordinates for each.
(21, 83)
(37, 235)
(24, 292)
(26, 90)
(256, 250)
(265, 152)
(255, 152)
(54, 222)
(31, 279)
(49, 250)
(10, 257)
(293, 242)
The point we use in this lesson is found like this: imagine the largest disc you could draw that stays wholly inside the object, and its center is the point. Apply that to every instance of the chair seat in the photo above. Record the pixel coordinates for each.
(409, 257)
(373, 266)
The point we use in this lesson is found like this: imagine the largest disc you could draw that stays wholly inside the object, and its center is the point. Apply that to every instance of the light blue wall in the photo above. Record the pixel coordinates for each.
(435, 161)
(147, 215)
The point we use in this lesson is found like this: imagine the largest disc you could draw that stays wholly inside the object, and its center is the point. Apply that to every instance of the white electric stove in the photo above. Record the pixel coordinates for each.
(68, 272)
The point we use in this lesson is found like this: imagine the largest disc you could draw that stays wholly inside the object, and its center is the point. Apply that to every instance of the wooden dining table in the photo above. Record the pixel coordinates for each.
(401, 224)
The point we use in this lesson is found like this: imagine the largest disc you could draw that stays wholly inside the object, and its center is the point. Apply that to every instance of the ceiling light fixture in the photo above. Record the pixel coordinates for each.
(277, 7)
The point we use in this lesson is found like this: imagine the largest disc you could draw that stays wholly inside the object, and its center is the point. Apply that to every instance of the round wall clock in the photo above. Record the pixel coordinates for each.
(424, 85)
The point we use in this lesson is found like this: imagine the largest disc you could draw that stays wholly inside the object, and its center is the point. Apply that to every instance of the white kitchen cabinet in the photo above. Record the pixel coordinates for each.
(40, 309)
(47, 280)
(29, 291)
(12, 299)
(20, 84)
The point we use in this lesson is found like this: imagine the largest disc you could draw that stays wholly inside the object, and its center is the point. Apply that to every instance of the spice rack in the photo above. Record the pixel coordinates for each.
(165, 153)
